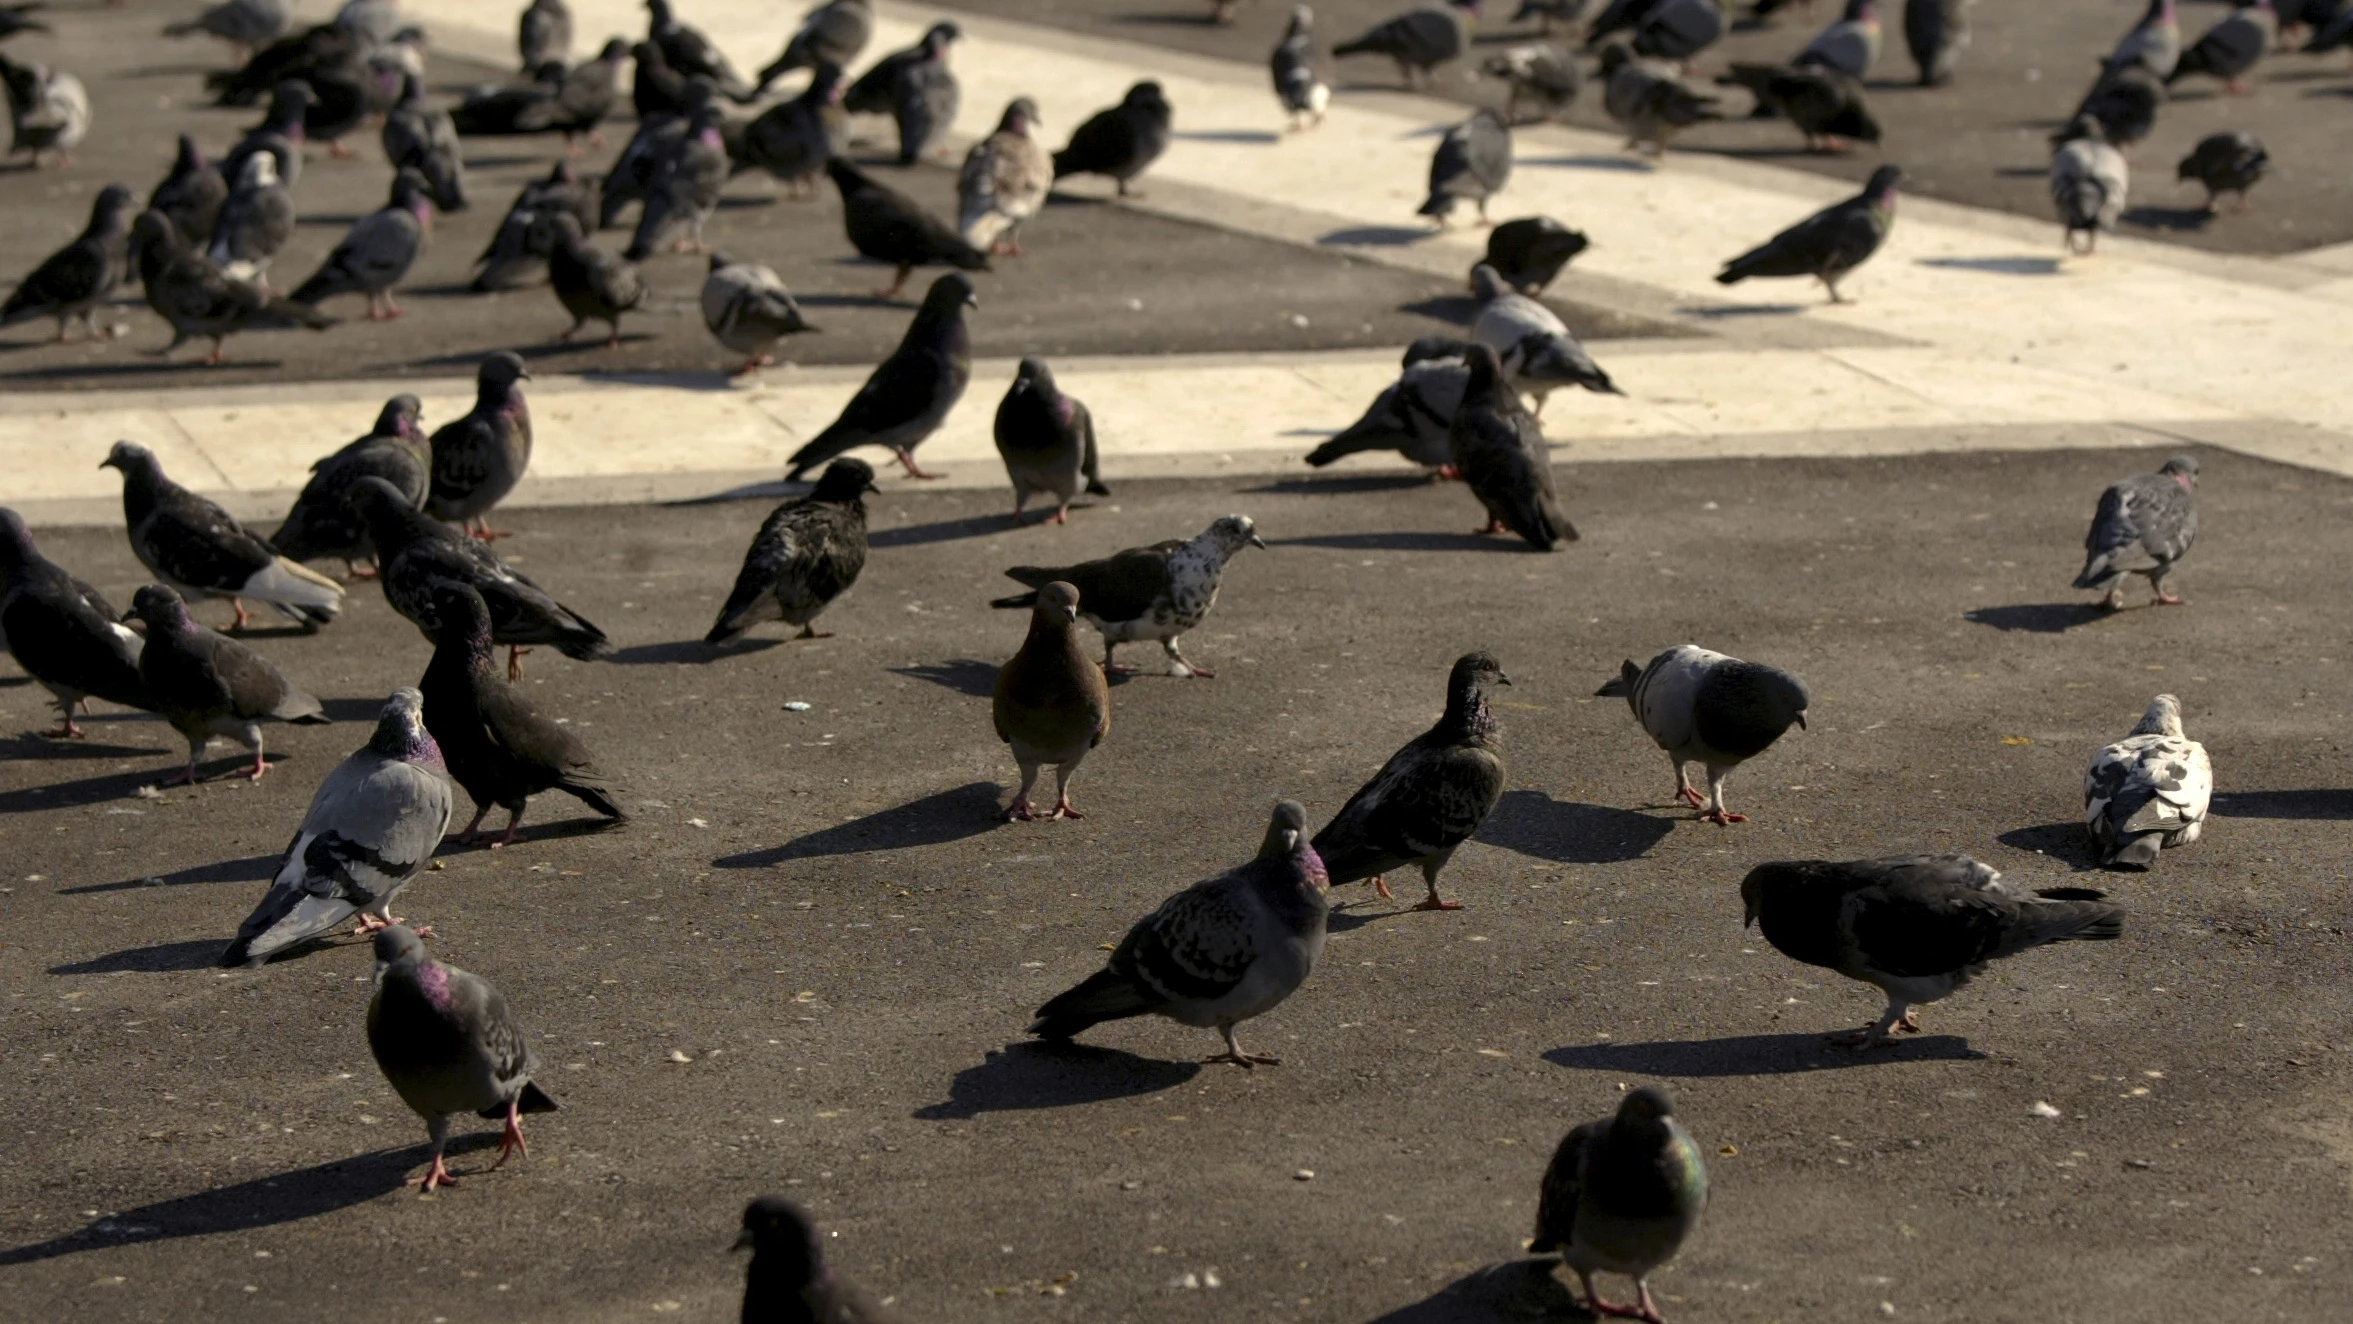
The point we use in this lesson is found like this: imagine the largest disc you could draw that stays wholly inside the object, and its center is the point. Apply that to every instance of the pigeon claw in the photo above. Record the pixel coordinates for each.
(435, 1176)
(1246, 1061)
(259, 768)
(2168, 599)
(1021, 811)
(510, 1141)
(1723, 817)
(1381, 887)
(515, 654)
(1690, 796)
(1436, 903)
(68, 731)
(1063, 809)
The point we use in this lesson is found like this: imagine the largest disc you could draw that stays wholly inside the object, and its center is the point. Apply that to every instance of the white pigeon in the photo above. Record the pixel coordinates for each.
(2149, 790)
(1703, 707)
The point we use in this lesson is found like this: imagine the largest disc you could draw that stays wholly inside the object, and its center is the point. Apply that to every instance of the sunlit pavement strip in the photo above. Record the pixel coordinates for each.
(1968, 332)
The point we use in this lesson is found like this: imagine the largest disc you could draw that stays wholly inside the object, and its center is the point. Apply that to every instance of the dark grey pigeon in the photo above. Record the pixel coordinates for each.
(888, 226)
(793, 140)
(372, 826)
(256, 221)
(197, 298)
(378, 250)
(916, 88)
(1497, 448)
(196, 547)
(418, 554)
(247, 25)
(910, 393)
(788, 1279)
(544, 33)
(2123, 102)
(191, 195)
(1828, 244)
(1851, 45)
(571, 102)
(1543, 78)
(633, 171)
(64, 633)
(2157, 513)
(18, 18)
(480, 456)
(1419, 40)
(1650, 100)
(1620, 1196)
(1299, 82)
(2231, 47)
(447, 1044)
(207, 684)
(74, 281)
(1548, 13)
(747, 308)
(2335, 34)
(1825, 105)
(2089, 181)
(1429, 798)
(1674, 30)
(323, 522)
(1532, 343)
(1047, 440)
(1473, 161)
(1413, 415)
(592, 284)
(1936, 32)
(684, 192)
(808, 552)
(2227, 162)
(1219, 953)
(832, 33)
(498, 746)
(1122, 142)
(509, 259)
(1709, 709)
(1917, 927)
(690, 52)
(1529, 252)
(657, 89)
(1157, 592)
(420, 135)
(2153, 44)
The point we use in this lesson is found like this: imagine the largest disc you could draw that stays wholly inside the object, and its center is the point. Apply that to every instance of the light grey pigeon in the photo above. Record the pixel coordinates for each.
(1544, 78)
(480, 456)
(544, 33)
(1531, 341)
(207, 684)
(447, 1044)
(1497, 449)
(2149, 790)
(1050, 704)
(421, 135)
(2226, 162)
(1299, 83)
(1916, 927)
(2231, 47)
(2089, 181)
(48, 108)
(1004, 180)
(377, 251)
(256, 221)
(1620, 1196)
(63, 632)
(1851, 45)
(1412, 415)
(808, 552)
(1936, 32)
(372, 826)
(1157, 592)
(199, 549)
(372, 21)
(1047, 440)
(1473, 161)
(247, 25)
(2157, 513)
(1219, 953)
(1430, 797)
(1419, 40)
(1709, 709)
(2153, 44)
(1649, 100)
(747, 308)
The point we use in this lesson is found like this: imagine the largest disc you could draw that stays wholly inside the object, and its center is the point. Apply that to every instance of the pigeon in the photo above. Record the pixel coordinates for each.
(17, 17)
(910, 393)
(1413, 415)
(1936, 32)
(1157, 592)
(832, 33)
(1221, 952)
(1495, 446)
(1649, 101)
(1545, 77)
(793, 140)
(323, 522)
(422, 137)
(247, 25)
(1528, 253)
(64, 633)
(447, 1044)
(916, 88)
(2335, 34)
(1473, 161)
(685, 191)
(372, 21)
(1004, 181)
(2227, 162)
(378, 250)
(2156, 512)
(887, 226)
(190, 197)
(632, 174)
(1709, 709)
(342, 98)
(1850, 46)
(544, 33)
(255, 223)
(657, 89)
(808, 552)
(194, 546)
(2153, 44)
(49, 108)
(1674, 30)
(279, 136)
(207, 684)
(2149, 790)
(1827, 106)
(1547, 13)
(690, 52)
(75, 281)
(2088, 184)
(199, 299)
(1047, 440)
(1621, 1195)
(590, 282)
(1299, 82)
(497, 744)
(1917, 927)
(1532, 343)
(1829, 244)
(1051, 704)
(508, 260)
(1419, 40)
(289, 58)
(2124, 103)
(748, 309)
(2231, 47)
(418, 555)
(788, 1279)
(570, 102)
(372, 826)
(480, 456)
(1122, 142)
(1430, 797)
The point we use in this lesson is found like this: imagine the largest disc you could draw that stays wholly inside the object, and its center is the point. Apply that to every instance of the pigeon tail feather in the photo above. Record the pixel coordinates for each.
(531, 1099)
(1104, 996)
(267, 932)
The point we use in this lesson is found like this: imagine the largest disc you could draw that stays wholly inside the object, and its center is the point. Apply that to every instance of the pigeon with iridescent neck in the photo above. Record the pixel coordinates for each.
(1050, 703)
(378, 250)
(323, 521)
(74, 282)
(192, 544)
(788, 1280)
(1430, 797)
(480, 456)
(1047, 440)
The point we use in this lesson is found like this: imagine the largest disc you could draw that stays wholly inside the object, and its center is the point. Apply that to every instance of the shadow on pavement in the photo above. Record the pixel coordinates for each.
(1359, 913)
(1407, 541)
(1453, 309)
(582, 826)
(934, 820)
(1377, 236)
(352, 710)
(1756, 1054)
(946, 530)
(30, 747)
(1743, 309)
(687, 650)
(1023, 1076)
(2065, 843)
(1999, 266)
(1340, 486)
(2329, 803)
(251, 869)
(1567, 832)
(87, 791)
(965, 675)
(162, 958)
(2037, 617)
(1510, 1292)
(2170, 218)
(1631, 163)
(1263, 136)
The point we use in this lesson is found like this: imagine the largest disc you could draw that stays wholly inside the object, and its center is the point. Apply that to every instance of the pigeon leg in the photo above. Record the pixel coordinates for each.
(354, 570)
(1492, 525)
(613, 341)
(480, 812)
(238, 605)
(1021, 810)
(1061, 515)
(515, 654)
(1447, 473)
(1434, 901)
(896, 285)
(438, 1174)
(1382, 888)
(336, 149)
(1111, 668)
(391, 308)
(1593, 1298)
(510, 1141)
(1235, 1055)
(259, 765)
(812, 632)
(2115, 599)
(1178, 666)
(1871, 1036)
(514, 820)
(479, 526)
(1683, 790)
(1062, 805)
(66, 731)
(2156, 576)
(907, 461)
(1716, 812)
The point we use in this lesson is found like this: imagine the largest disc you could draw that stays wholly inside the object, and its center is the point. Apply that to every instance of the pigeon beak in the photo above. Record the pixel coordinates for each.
(525, 375)
(874, 487)
(743, 1240)
(972, 301)
(1258, 542)
(1502, 679)
(1071, 613)
(1801, 721)
(1290, 841)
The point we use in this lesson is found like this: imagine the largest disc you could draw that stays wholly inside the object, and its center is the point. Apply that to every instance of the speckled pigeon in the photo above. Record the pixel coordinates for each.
(1004, 180)
(2158, 513)
(1829, 244)
(323, 522)
(808, 552)
(74, 282)
(256, 221)
(196, 547)
(1543, 79)
(1299, 82)
(1050, 703)
(207, 684)
(378, 250)
(747, 308)
(1716, 711)
(1157, 592)
(1122, 142)
(1430, 797)
(2227, 162)
(2231, 47)
(1529, 252)
(831, 33)
(1620, 1196)
(1496, 447)
(2149, 790)
(1473, 160)
(1047, 440)
(909, 394)
(1531, 342)
(63, 632)
(1936, 32)
(1419, 40)
(480, 456)
(49, 107)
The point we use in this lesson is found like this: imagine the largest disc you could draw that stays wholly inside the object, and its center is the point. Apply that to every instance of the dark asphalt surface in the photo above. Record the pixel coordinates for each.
(817, 912)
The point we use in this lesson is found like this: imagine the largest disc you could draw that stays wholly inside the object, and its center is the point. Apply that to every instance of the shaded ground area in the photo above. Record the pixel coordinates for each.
(804, 964)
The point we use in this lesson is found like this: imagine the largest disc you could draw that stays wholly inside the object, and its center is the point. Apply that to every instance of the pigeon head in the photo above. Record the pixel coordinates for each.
(16, 542)
(2083, 128)
(937, 38)
(1881, 188)
(399, 418)
(400, 730)
(1303, 20)
(1021, 116)
(2162, 719)
(1613, 58)
(1486, 380)
(496, 378)
(1286, 831)
(782, 1242)
(1146, 96)
(1230, 533)
(1621, 686)
(135, 462)
(846, 479)
(1860, 11)
(377, 502)
(557, 230)
(615, 50)
(189, 158)
(949, 296)
(111, 208)
(720, 258)
(1034, 375)
(825, 84)
(161, 610)
(461, 617)
(411, 193)
(1057, 607)
(289, 101)
(1487, 285)
(848, 178)
(2182, 469)
(396, 943)
(1649, 1104)
(1466, 690)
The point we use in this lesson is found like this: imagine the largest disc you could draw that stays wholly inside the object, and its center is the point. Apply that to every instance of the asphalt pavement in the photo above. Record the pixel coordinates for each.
(804, 963)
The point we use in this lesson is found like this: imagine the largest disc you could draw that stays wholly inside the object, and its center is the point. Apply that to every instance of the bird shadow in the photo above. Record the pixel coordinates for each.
(2022, 172)
(146, 367)
(1512, 1291)
(1164, 19)
(162, 958)
(73, 794)
(965, 675)
(583, 826)
(1744, 310)
(352, 710)
(2064, 843)
(1339, 486)
(1261, 137)
(946, 530)
(1405, 541)
(934, 820)
(30, 747)
(2314, 804)
(1025, 1076)
(1361, 914)
(250, 869)
(1591, 162)
(1998, 266)
(689, 650)
(1755, 1055)
(1567, 832)
(2177, 219)
(2036, 617)
(1376, 236)
(1452, 309)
